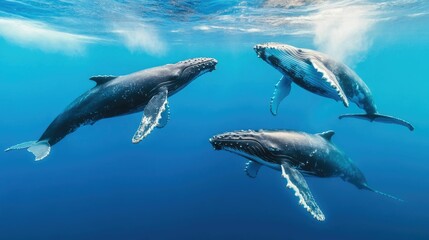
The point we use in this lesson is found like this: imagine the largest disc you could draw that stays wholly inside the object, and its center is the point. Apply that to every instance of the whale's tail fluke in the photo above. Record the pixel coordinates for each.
(375, 117)
(382, 193)
(40, 149)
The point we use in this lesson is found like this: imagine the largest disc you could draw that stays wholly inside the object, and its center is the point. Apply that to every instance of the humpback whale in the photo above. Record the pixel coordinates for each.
(294, 154)
(322, 75)
(145, 90)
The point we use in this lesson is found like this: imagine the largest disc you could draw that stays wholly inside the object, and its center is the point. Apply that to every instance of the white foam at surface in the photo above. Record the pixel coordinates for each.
(343, 32)
(340, 28)
(137, 36)
(39, 35)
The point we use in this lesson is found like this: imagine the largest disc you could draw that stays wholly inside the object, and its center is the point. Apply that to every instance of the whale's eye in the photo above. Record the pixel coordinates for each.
(299, 50)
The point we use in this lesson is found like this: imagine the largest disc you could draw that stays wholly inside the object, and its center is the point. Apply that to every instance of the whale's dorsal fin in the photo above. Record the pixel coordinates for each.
(100, 79)
(327, 135)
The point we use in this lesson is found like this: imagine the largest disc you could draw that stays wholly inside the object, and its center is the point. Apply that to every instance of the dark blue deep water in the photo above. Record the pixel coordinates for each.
(96, 184)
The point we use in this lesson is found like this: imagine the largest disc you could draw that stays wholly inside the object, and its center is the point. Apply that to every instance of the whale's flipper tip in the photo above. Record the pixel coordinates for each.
(40, 149)
(375, 117)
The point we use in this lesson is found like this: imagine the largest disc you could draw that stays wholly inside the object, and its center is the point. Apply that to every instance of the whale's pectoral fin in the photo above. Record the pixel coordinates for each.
(296, 182)
(152, 115)
(330, 79)
(375, 117)
(40, 149)
(165, 116)
(281, 91)
(252, 169)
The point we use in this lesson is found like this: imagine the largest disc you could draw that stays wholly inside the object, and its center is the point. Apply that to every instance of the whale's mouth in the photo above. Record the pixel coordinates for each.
(248, 144)
(197, 66)
(273, 52)
(241, 142)
(269, 53)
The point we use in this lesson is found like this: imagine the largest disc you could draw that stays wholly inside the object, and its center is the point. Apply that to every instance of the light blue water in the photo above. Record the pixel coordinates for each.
(96, 184)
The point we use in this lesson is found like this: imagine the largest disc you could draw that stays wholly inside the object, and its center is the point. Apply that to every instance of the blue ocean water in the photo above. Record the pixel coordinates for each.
(96, 184)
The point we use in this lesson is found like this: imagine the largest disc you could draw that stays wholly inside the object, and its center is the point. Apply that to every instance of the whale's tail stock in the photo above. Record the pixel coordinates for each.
(40, 149)
(375, 117)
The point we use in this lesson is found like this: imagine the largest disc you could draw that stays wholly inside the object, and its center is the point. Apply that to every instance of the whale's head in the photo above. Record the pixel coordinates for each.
(195, 67)
(259, 145)
(184, 72)
(283, 57)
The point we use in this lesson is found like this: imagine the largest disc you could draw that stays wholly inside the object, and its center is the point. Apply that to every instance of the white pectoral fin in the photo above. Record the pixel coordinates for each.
(281, 90)
(165, 116)
(151, 116)
(330, 79)
(252, 168)
(296, 182)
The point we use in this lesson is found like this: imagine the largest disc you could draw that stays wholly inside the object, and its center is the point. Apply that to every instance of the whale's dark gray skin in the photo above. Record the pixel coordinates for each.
(146, 90)
(294, 154)
(320, 74)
